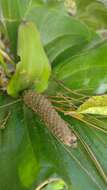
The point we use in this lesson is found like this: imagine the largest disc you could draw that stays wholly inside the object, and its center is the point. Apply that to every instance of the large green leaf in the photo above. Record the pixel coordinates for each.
(64, 41)
(93, 13)
(87, 71)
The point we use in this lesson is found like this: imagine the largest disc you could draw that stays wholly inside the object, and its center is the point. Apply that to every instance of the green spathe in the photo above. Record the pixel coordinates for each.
(33, 68)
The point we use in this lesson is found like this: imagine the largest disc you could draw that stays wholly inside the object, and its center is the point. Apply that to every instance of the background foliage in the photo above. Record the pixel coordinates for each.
(29, 154)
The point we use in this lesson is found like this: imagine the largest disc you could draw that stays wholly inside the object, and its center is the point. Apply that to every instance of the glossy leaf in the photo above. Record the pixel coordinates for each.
(60, 42)
(86, 72)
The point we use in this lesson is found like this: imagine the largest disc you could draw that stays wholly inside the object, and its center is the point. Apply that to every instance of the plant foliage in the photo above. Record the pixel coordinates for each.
(29, 154)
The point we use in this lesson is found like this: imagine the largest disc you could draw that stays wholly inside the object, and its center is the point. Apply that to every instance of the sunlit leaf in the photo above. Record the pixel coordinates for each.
(94, 105)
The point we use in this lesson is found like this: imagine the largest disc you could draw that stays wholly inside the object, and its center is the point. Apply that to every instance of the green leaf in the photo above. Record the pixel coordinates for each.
(86, 72)
(33, 68)
(94, 105)
(12, 14)
(60, 42)
(14, 157)
(93, 13)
